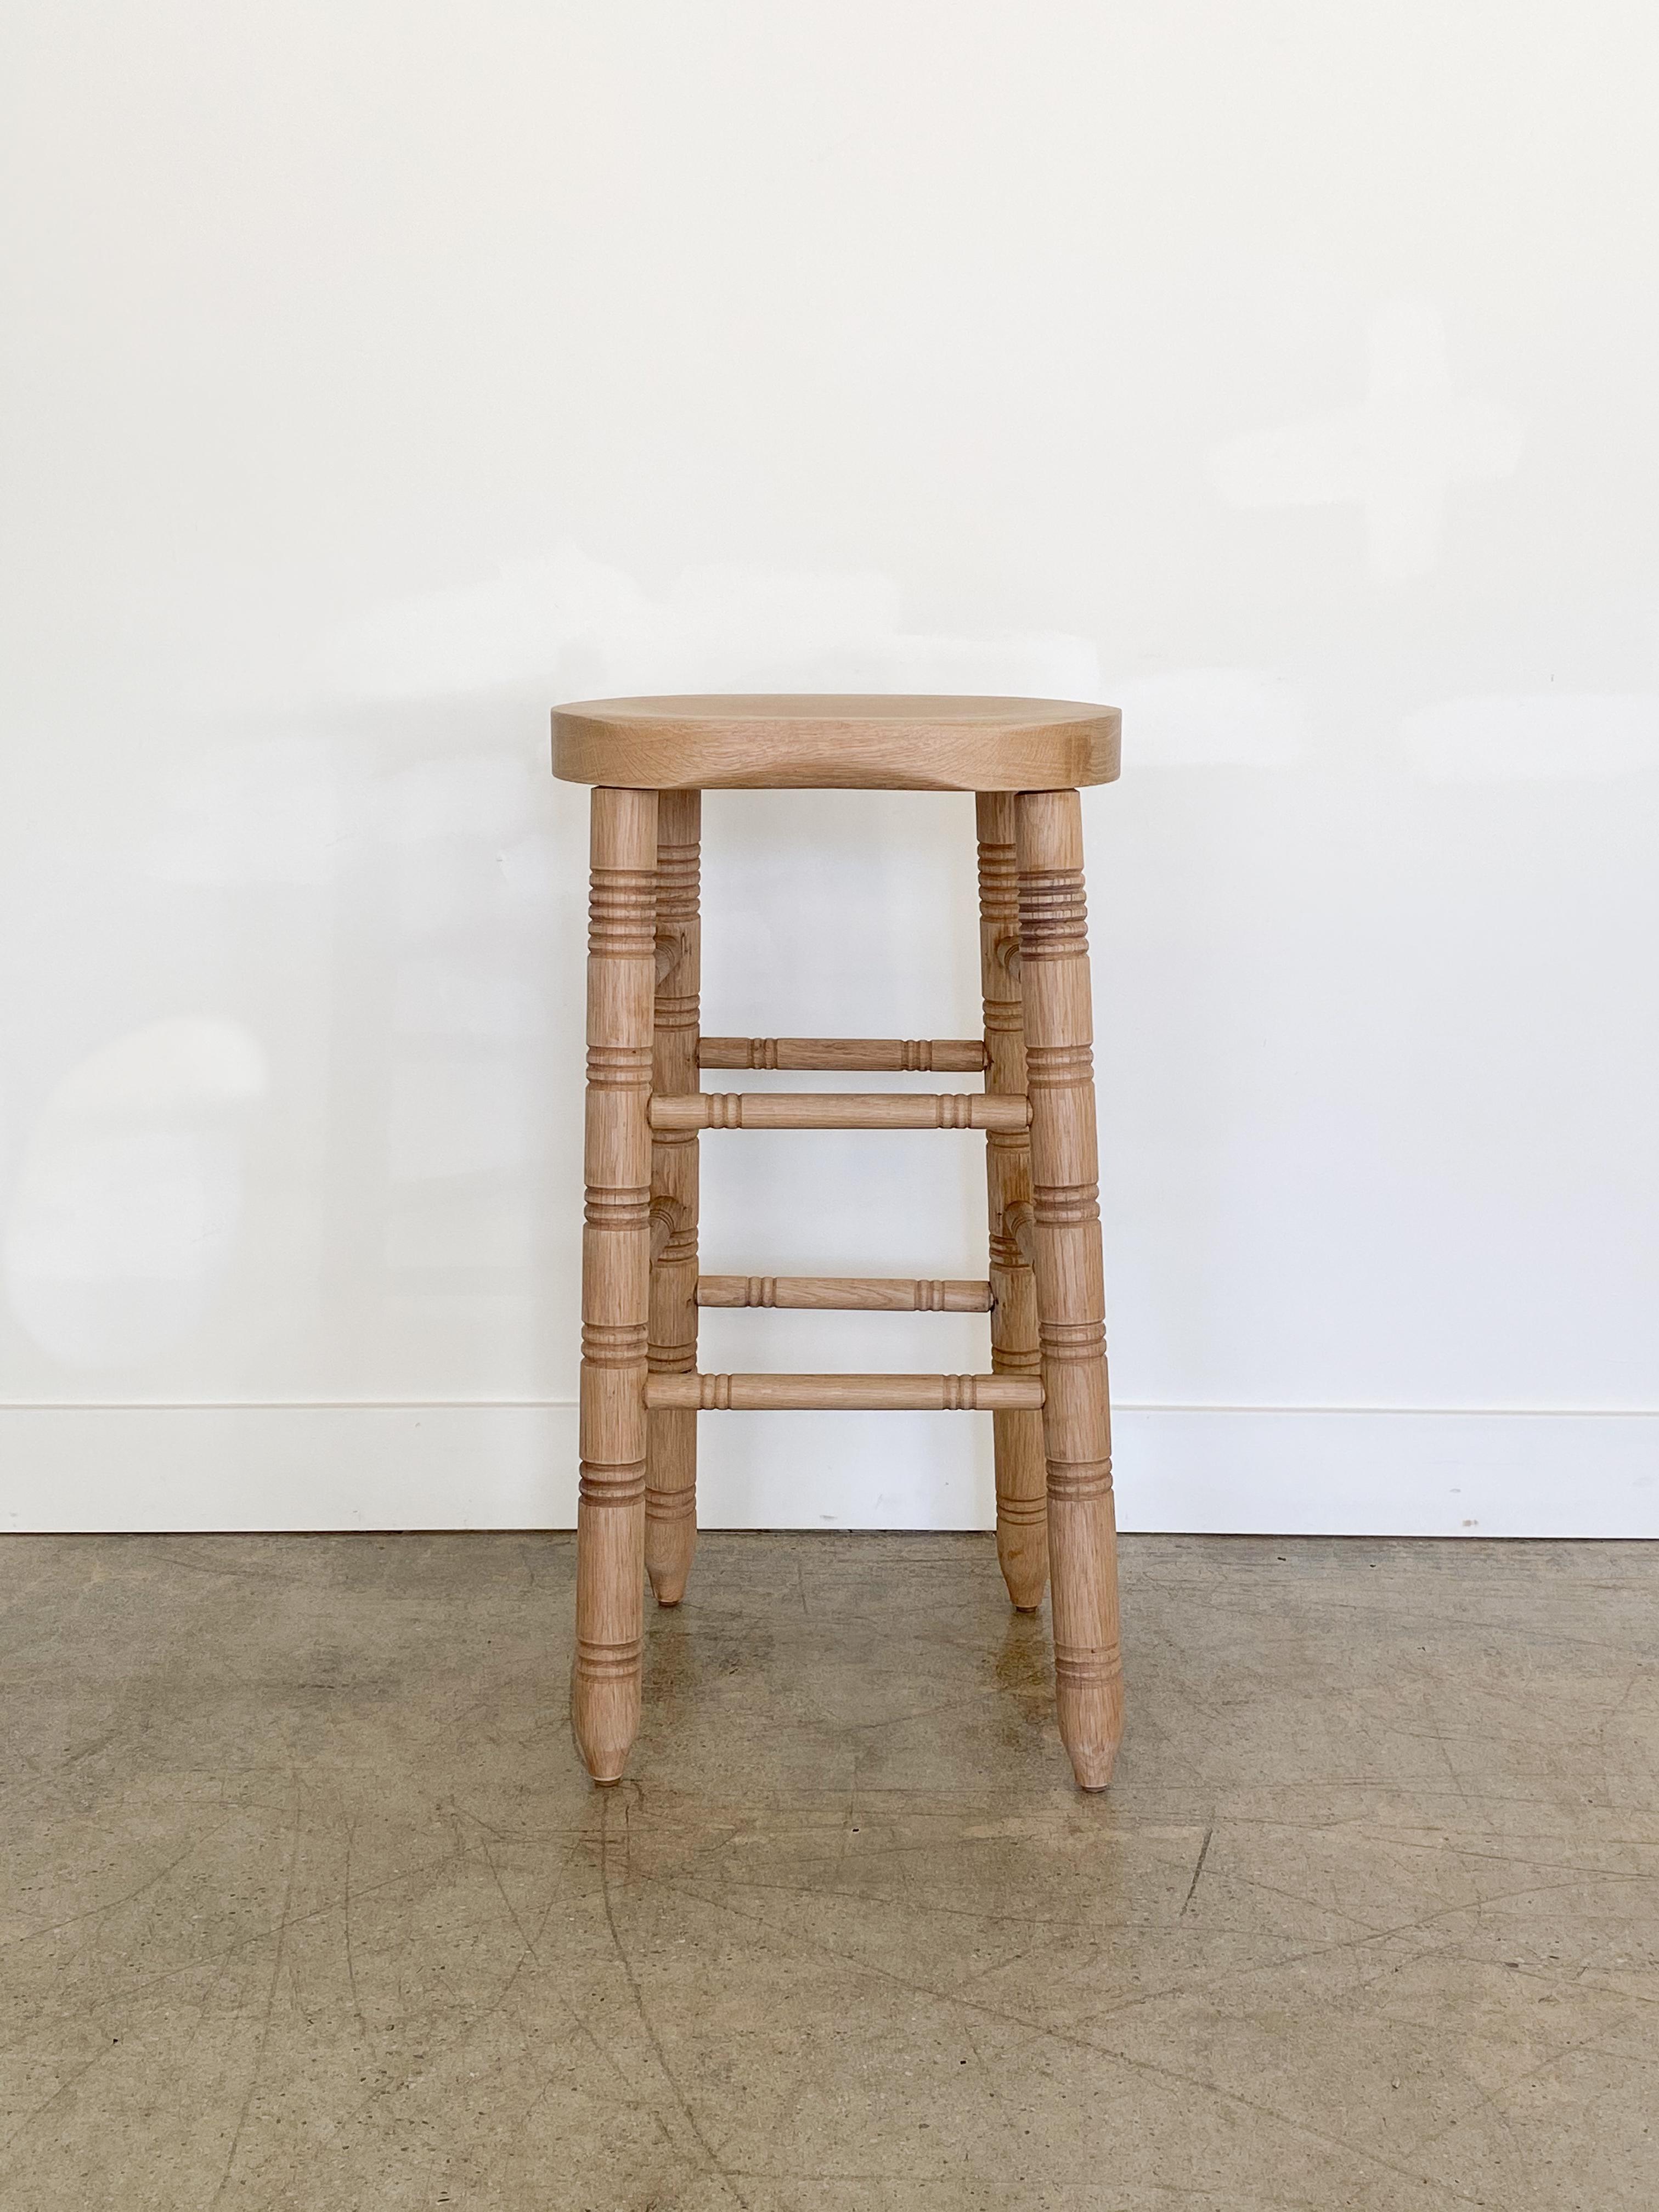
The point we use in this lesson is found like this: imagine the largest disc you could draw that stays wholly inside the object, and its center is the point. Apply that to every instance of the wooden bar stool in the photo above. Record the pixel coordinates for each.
(649, 761)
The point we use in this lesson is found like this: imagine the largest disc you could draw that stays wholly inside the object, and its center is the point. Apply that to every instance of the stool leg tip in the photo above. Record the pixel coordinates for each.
(1093, 1774)
(1090, 1724)
(1023, 1555)
(604, 1764)
(668, 1549)
(604, 1719)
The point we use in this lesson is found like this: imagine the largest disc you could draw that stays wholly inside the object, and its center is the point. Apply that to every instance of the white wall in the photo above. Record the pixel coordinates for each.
(378, 374)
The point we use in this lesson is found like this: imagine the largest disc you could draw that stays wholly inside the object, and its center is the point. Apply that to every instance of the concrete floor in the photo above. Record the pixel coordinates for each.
(306, 1903)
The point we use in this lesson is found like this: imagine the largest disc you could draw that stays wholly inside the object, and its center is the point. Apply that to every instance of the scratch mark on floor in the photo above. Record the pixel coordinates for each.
(638, 1994)
(277, 1953)
(46, 2103)
(1192, 1887)
(351, 1970)
(1069, 2040)
(97, 1911)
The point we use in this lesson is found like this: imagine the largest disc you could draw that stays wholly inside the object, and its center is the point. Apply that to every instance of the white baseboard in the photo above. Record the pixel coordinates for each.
(1363, 1471)
(1281, 1471)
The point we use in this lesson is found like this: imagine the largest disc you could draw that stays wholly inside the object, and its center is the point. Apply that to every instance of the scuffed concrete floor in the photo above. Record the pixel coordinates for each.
(305, 1902)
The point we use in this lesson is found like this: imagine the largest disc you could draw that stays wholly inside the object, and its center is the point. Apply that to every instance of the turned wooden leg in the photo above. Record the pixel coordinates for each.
(1022, 1505)
(671, 1457)
(1070, 1288)
(604, 1690)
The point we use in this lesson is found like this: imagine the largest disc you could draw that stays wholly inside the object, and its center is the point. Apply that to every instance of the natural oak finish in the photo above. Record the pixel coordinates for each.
(604, 1695)
(1070, 1284)
(649, 760)
(671, 1460)
(827, 741)
(859, 1055)
(1021, 1482)
(845, 1293)
(838, 1110)
(844, 1393)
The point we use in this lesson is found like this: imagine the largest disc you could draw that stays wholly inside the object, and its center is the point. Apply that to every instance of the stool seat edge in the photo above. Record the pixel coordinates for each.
(897, 741)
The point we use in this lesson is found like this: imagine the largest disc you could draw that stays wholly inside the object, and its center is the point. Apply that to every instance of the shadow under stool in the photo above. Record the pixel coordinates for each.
(649, 761)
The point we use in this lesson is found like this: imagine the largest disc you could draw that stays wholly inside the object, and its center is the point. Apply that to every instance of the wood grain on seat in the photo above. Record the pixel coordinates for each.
(834, 741)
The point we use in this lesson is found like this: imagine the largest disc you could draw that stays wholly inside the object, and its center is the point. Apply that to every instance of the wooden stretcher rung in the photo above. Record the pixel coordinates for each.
(839, 1109)
(844, 1393)
(860, 1056)
(845, 1293)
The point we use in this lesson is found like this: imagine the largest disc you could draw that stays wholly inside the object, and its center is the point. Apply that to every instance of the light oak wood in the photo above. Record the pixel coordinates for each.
(671, 1462)
(833, 741)
(845, 1293)
(837, 1110)
(640, 1388)
(1070, 1287)
(859, 1055)
(844, 1393)
(1021, 1480)
(1019, 1223)
(604, 1700)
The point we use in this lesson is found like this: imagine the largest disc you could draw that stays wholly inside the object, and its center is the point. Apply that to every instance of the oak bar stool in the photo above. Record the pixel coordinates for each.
(649, 761)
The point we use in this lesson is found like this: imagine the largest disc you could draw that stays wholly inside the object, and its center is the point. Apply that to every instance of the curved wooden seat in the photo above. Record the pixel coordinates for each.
(836, 741)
